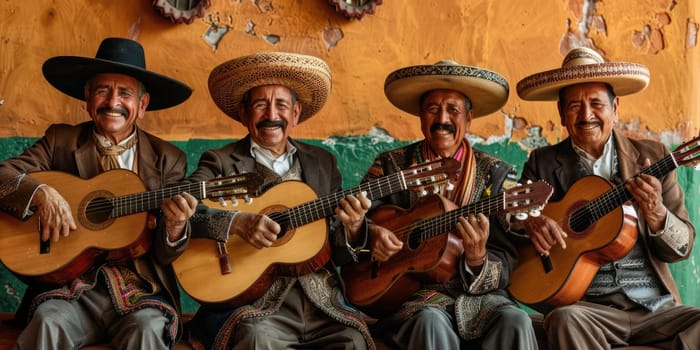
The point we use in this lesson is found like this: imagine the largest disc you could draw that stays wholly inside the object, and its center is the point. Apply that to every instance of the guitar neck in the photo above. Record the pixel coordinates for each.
(145, 201)
(617, 196)
(325, 206)
(440, 224)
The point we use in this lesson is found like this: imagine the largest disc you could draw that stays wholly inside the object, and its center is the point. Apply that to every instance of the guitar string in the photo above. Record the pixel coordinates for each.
(431, 227)
(383, 186)
(615, 197)
(133, 203)
(324, 206)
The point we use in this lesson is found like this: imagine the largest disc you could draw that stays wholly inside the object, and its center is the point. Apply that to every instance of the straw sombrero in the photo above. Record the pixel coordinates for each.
(308, 76)
(584, 65)
(115, 55)
(487, 90)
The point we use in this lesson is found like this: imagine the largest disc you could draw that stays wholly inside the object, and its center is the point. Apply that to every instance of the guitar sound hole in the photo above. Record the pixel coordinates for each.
(99, 210)
(580, 220)
(414, 239)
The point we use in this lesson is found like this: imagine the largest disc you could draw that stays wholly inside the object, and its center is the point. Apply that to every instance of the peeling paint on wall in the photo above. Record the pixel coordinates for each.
(691, 35)
(214, 34)
(271, 38)
(331, 36)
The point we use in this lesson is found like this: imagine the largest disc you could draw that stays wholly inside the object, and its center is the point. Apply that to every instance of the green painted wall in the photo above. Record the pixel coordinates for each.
(354, 157)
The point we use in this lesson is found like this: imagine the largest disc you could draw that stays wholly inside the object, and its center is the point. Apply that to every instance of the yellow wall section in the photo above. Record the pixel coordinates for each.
(513, 37)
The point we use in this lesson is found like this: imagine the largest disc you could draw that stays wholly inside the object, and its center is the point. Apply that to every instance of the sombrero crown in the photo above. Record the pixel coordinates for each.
(115, 55)
(308, 76)
(487, 90)
(584, 65)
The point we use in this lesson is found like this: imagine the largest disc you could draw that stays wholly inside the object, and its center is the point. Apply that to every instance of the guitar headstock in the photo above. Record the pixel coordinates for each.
(234, 186)
(527, 199)
(423, 177)
(688, 153)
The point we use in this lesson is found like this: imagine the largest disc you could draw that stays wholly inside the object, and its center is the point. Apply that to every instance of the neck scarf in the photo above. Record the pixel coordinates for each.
(109, 155)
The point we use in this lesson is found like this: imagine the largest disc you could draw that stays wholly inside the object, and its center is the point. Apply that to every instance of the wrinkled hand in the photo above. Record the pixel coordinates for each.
(646, 191)
(176, 211)
(544, 233)
(257, 229)
(55, 215)
(474, 231)
(384, 242)
(351, 211)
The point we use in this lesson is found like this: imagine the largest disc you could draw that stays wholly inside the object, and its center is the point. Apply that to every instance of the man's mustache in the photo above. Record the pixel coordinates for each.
(271, 124)
(437, 126)
(121, 110)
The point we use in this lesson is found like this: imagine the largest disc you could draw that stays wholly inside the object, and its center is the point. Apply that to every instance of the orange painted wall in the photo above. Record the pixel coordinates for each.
(513, 37)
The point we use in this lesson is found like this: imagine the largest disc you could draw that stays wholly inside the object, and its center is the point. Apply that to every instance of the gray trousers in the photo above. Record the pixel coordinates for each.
(91, 319)
(586, 325)
(508, 327)
(297, 325)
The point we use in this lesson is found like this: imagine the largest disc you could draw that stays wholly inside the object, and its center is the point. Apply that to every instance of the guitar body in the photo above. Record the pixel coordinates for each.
(380, 288)
(297, 252)
(607, 239)
(96, 237)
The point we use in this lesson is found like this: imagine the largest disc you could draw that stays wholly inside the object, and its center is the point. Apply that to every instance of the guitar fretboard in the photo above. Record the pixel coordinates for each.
(325, 206)
(616, 196)
(440, 224)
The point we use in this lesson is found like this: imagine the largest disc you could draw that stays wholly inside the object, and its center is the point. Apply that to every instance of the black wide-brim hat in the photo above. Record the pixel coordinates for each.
(115, 55)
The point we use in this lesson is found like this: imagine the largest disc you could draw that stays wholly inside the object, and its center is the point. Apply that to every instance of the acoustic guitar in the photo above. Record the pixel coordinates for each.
(599, 231)
(236, 273)
(430, 250)
(110, 212)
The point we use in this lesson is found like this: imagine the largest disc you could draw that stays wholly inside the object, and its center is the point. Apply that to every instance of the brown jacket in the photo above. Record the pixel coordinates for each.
(72, 149)
(558, 165)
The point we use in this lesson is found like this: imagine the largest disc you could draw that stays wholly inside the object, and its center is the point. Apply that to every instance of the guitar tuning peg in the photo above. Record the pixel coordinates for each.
(529, 182)
(234, 201)
(521, 216)
(436, 190)
(535, 213)
(450, 186)
(222, 202)
(423, 192)
(248, 199)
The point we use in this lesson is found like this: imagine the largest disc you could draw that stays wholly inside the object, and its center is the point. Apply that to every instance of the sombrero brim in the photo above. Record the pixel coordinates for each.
(70, 73)
(487, 90)
(624, 77)
(308, 76)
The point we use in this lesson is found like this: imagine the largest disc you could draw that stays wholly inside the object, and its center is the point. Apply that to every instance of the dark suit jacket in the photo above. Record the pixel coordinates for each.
(72, 149)
(558, 165)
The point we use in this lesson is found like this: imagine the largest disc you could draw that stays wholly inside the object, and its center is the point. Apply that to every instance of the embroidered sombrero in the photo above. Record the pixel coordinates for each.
(584, 65)
(115, 55)
(308, 76)
(487, 90)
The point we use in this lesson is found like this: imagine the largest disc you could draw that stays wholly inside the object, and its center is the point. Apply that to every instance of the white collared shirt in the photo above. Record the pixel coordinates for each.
(279, 164)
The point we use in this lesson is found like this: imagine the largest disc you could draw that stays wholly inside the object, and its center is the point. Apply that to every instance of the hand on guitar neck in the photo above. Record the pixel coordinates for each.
(56, 217)
(645, 189)
(473, 229)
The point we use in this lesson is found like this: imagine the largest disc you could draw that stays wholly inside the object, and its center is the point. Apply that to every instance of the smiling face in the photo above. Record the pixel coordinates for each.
(115, 102)
(270, 112)
(445, 116)
(589, 112)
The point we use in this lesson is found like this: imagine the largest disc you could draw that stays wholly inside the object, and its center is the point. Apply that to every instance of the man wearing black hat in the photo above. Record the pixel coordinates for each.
(131, 303)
